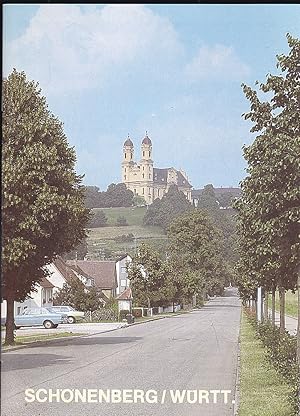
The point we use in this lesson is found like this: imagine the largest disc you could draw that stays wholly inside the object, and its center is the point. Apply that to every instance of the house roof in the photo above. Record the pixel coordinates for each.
(45, 283)
(102, 272)
(64, 269)
(160, 176)
(126, 295)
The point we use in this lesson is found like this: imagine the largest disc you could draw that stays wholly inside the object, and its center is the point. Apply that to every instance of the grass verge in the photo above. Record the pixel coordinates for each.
(28, 339)
(263, 392)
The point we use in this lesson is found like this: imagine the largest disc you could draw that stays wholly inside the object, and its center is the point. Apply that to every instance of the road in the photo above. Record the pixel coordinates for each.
(196, 351)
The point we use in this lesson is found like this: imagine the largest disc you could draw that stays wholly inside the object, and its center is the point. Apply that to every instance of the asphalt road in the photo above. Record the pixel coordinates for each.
(187, 355)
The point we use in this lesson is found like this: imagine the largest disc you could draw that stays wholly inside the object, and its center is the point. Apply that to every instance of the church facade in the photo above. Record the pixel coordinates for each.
(145, 180)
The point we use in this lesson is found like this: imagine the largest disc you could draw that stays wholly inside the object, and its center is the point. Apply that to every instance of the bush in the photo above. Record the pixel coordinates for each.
(98, 219)
(121, 221)
(281, 351)
(123, 313)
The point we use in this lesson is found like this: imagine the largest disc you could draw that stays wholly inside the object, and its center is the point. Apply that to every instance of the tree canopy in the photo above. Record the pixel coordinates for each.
(43, 199)
(116, 195)
(162, 211)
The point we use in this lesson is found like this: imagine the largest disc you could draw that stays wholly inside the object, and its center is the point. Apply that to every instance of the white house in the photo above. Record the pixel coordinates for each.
(59, 273)
(122, 275)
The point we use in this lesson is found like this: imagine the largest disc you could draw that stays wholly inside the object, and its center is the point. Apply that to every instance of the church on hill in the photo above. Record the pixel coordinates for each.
(145, 180)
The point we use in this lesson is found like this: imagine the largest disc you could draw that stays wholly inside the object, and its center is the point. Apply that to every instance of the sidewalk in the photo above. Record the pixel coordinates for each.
(290, 322)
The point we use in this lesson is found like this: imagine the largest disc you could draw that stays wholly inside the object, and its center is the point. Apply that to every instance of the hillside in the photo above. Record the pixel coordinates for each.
(102, 239)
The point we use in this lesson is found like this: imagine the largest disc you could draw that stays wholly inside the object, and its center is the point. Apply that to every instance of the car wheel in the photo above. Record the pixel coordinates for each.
(55, 326)
(48, 324)
(71, 320)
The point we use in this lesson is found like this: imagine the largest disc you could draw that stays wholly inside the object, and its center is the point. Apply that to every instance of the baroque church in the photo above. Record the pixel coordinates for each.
(147, 181)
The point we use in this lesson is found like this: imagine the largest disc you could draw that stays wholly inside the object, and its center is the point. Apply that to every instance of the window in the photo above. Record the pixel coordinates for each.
(143, 191)
(125, 155)
(125, 177)
(143, 153)
(143, 176)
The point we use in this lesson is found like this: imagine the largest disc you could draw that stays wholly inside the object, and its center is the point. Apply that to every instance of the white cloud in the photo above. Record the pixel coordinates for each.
(67, 47)
(217, 61)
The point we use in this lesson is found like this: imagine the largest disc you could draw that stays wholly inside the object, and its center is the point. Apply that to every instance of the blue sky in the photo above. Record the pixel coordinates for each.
(173, 70)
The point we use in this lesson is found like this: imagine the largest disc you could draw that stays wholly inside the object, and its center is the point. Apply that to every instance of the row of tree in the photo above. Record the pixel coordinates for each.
(193, 266)
(269, 208)
(116, 195)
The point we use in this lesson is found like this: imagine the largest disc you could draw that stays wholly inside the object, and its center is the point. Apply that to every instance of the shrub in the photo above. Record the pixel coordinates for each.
(123, 313)
(121, 221)
(281, 351)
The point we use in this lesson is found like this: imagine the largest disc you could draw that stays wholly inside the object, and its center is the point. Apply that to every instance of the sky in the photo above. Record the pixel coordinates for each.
(174, 71)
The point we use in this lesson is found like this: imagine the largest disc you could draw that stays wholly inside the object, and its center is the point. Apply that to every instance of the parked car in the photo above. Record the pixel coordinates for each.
(73, 315)
(40, 316)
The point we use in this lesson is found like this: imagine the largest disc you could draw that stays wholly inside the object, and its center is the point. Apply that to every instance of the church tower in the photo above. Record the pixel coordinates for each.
(127, 163)
(146, 166)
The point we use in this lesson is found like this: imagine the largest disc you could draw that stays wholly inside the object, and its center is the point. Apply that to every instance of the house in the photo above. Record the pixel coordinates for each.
(58, 273)
(122, 275)
(103, 273)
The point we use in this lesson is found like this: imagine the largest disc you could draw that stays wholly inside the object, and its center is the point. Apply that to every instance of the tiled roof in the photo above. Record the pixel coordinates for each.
(102, 272)
(64, 269)
(126, 295)
(160, 176)
(45, 283)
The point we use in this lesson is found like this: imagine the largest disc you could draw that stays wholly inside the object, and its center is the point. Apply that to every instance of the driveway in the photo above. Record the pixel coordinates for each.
(165, 367)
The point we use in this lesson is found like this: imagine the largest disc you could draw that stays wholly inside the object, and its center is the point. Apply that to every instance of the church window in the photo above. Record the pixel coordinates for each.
(125, 155)
(125, 177)
(149, 176)
(143, 191)
(143, 175)
(143, 153)
(158, 192)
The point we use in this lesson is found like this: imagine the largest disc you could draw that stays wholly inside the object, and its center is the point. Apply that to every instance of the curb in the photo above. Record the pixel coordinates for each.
(238, 373)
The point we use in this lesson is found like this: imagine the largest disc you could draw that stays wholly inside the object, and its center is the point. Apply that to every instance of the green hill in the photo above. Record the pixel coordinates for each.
(102, 240)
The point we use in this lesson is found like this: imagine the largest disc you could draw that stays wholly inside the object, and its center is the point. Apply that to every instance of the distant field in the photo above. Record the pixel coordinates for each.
(102, 238)
(134, 215)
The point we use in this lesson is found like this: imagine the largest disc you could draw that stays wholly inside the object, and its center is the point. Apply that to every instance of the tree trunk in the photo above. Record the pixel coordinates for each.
(273, 305)
(266, 306)
(10, 321)
(298, 329)
(282, 309)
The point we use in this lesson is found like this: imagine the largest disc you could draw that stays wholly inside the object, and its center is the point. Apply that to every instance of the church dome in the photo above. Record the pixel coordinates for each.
(146, 140)
(128, 142)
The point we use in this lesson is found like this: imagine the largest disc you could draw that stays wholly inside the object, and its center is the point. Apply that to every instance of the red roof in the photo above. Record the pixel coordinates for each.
(126, 295)
(64, 270)
(45, 283)
(102, 272)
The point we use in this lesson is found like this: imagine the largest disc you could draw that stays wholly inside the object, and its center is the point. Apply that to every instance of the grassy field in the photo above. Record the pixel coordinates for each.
(262, 391)
(291, 303)
(134, 215)
(102, 238)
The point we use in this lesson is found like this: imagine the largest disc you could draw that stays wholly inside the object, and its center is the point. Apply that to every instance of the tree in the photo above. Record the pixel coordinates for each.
(116, 195)
(92, 194)
(164, 210)
(150, 278)
(79, 252)
(195, 254)
(75, 294)
(270, 203)
(208, 200)
(138, 201)
(43, 199)
(98, 219)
